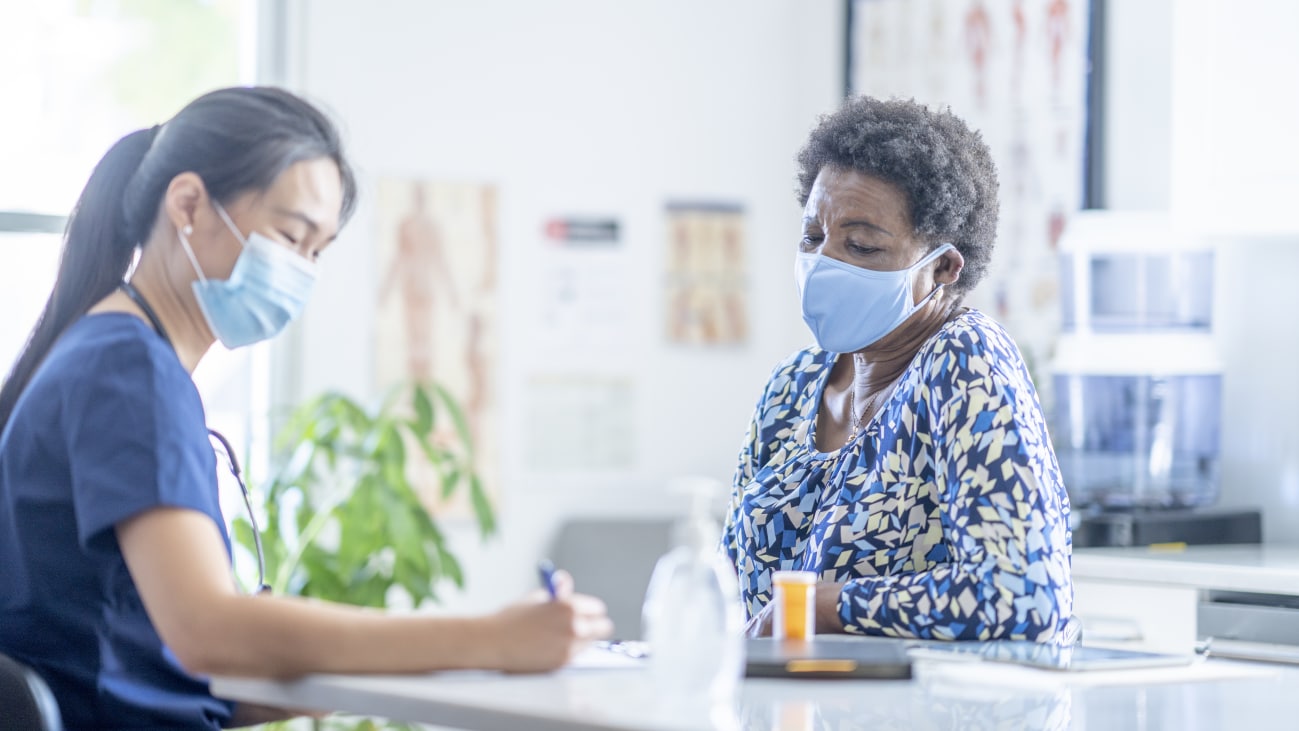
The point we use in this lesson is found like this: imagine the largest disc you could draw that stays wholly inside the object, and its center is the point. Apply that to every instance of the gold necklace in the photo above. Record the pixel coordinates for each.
(855, 417)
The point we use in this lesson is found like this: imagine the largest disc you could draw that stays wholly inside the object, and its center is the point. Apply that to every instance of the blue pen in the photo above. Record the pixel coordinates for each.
(547, 571)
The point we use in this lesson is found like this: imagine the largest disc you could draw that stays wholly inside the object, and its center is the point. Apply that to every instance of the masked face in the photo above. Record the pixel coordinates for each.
(860, 270)
(849, 308)
(267, 289)
(254, 295)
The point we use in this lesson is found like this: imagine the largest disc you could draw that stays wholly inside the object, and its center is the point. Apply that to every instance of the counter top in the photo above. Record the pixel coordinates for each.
(1249, 568)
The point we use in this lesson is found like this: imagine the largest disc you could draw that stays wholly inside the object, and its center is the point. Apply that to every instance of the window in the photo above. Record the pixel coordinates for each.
(93, 71)
(28, 262)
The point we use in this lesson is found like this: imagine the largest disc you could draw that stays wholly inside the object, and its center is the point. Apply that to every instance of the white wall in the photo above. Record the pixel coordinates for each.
(1138, 104)
(1253, 322)
(1202, 107)
(576, 107)
(1235, 166)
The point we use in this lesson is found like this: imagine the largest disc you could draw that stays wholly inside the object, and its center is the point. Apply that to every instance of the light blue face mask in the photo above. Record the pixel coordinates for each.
(849, 308)
(267, 289)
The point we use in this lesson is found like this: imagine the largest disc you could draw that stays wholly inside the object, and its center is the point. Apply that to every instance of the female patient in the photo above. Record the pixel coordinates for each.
(904, 459)
(115, 567)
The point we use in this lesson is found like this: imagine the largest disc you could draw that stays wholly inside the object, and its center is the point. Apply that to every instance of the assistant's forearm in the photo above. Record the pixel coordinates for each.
(287, 637)
(182, 572)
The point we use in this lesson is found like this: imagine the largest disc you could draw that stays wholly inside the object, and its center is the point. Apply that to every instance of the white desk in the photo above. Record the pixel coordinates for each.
(623, 700)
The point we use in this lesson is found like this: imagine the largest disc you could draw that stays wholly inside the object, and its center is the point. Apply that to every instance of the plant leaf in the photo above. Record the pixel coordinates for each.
(423, 424)
(482, 506)
(457, 418)
(394, 447)
(331, 443)
(450, 481)
(451, 568)
(299, 461)
(434, 456)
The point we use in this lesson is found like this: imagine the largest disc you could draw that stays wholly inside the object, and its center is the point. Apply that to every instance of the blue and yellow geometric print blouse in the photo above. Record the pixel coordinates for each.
(946, 515)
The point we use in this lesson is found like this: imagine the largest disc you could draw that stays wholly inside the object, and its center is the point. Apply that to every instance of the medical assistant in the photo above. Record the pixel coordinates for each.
(110, 426)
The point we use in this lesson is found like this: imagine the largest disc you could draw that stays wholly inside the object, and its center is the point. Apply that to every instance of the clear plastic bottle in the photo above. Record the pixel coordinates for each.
(694, 623)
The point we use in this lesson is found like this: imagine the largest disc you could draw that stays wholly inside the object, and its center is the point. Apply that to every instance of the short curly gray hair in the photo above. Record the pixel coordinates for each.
(943, 167)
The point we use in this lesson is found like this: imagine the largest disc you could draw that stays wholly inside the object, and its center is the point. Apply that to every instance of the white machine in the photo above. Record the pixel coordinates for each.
(1138, 379)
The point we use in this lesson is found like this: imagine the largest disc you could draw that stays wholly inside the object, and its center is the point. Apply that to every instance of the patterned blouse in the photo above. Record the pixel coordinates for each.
(946, 515)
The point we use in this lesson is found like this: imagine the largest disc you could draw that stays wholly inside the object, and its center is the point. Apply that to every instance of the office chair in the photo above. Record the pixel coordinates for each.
(26, 703)
(612, 558)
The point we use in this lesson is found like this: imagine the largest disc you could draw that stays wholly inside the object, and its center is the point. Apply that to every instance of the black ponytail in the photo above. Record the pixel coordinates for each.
(236, 140)
(96, 254)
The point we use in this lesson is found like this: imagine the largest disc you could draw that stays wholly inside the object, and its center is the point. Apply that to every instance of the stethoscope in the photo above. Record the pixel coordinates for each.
(231, 460)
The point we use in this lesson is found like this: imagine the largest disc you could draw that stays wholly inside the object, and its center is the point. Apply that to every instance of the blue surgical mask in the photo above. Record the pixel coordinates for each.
(849, 308)
(267, 289)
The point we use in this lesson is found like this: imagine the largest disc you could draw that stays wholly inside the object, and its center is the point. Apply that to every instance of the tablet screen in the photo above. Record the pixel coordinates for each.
(1050, 657)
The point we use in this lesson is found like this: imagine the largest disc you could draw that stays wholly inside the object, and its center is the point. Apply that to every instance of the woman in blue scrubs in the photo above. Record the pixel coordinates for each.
(115, 566)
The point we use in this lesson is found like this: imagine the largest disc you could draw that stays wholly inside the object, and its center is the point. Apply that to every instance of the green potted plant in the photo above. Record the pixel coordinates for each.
(343, 521)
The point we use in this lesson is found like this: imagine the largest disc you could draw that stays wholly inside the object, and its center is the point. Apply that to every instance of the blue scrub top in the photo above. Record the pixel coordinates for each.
(110, 426)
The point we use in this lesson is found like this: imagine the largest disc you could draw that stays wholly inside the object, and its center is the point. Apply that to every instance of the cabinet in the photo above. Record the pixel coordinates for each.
(1130, 616)
(1165, 601)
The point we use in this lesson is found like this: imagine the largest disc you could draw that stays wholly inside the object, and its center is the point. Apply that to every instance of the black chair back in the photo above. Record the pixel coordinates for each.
(26, 703)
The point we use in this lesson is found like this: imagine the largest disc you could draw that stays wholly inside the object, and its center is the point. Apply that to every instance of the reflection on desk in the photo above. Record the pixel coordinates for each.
(624, 700)
(841, 707)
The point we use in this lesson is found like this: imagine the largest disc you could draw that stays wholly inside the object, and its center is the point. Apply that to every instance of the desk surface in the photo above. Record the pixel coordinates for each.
(1251, 568)
(624, 700)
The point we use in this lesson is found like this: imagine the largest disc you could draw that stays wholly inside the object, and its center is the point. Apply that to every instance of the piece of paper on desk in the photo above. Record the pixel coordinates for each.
(1005, 674)
(602, 657)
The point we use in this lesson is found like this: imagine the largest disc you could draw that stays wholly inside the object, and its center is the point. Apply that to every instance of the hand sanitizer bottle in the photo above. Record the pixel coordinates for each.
(694, 623)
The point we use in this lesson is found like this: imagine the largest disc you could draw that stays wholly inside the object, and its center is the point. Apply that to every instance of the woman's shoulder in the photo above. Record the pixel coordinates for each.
(974, 330)
(115, 346)
(975, 343)
(972, 333)
(800, 366)
(807, 360)
(793, 376)
(114, 335)
(114, 365)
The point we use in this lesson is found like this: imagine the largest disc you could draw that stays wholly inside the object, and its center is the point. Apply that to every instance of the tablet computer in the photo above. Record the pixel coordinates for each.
(1048, 657)
(826, 657)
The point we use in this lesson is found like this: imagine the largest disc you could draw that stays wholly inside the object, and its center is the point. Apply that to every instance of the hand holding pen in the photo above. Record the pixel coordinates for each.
(546, 569)
(635, 650)
(546, 630)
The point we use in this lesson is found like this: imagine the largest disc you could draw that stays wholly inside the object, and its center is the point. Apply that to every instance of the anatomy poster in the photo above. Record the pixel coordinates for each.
(436, 317)
(1016, 71)
(705, 289)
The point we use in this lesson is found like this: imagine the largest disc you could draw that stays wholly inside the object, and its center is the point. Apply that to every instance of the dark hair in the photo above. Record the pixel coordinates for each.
(943, 167)
(237, 140)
